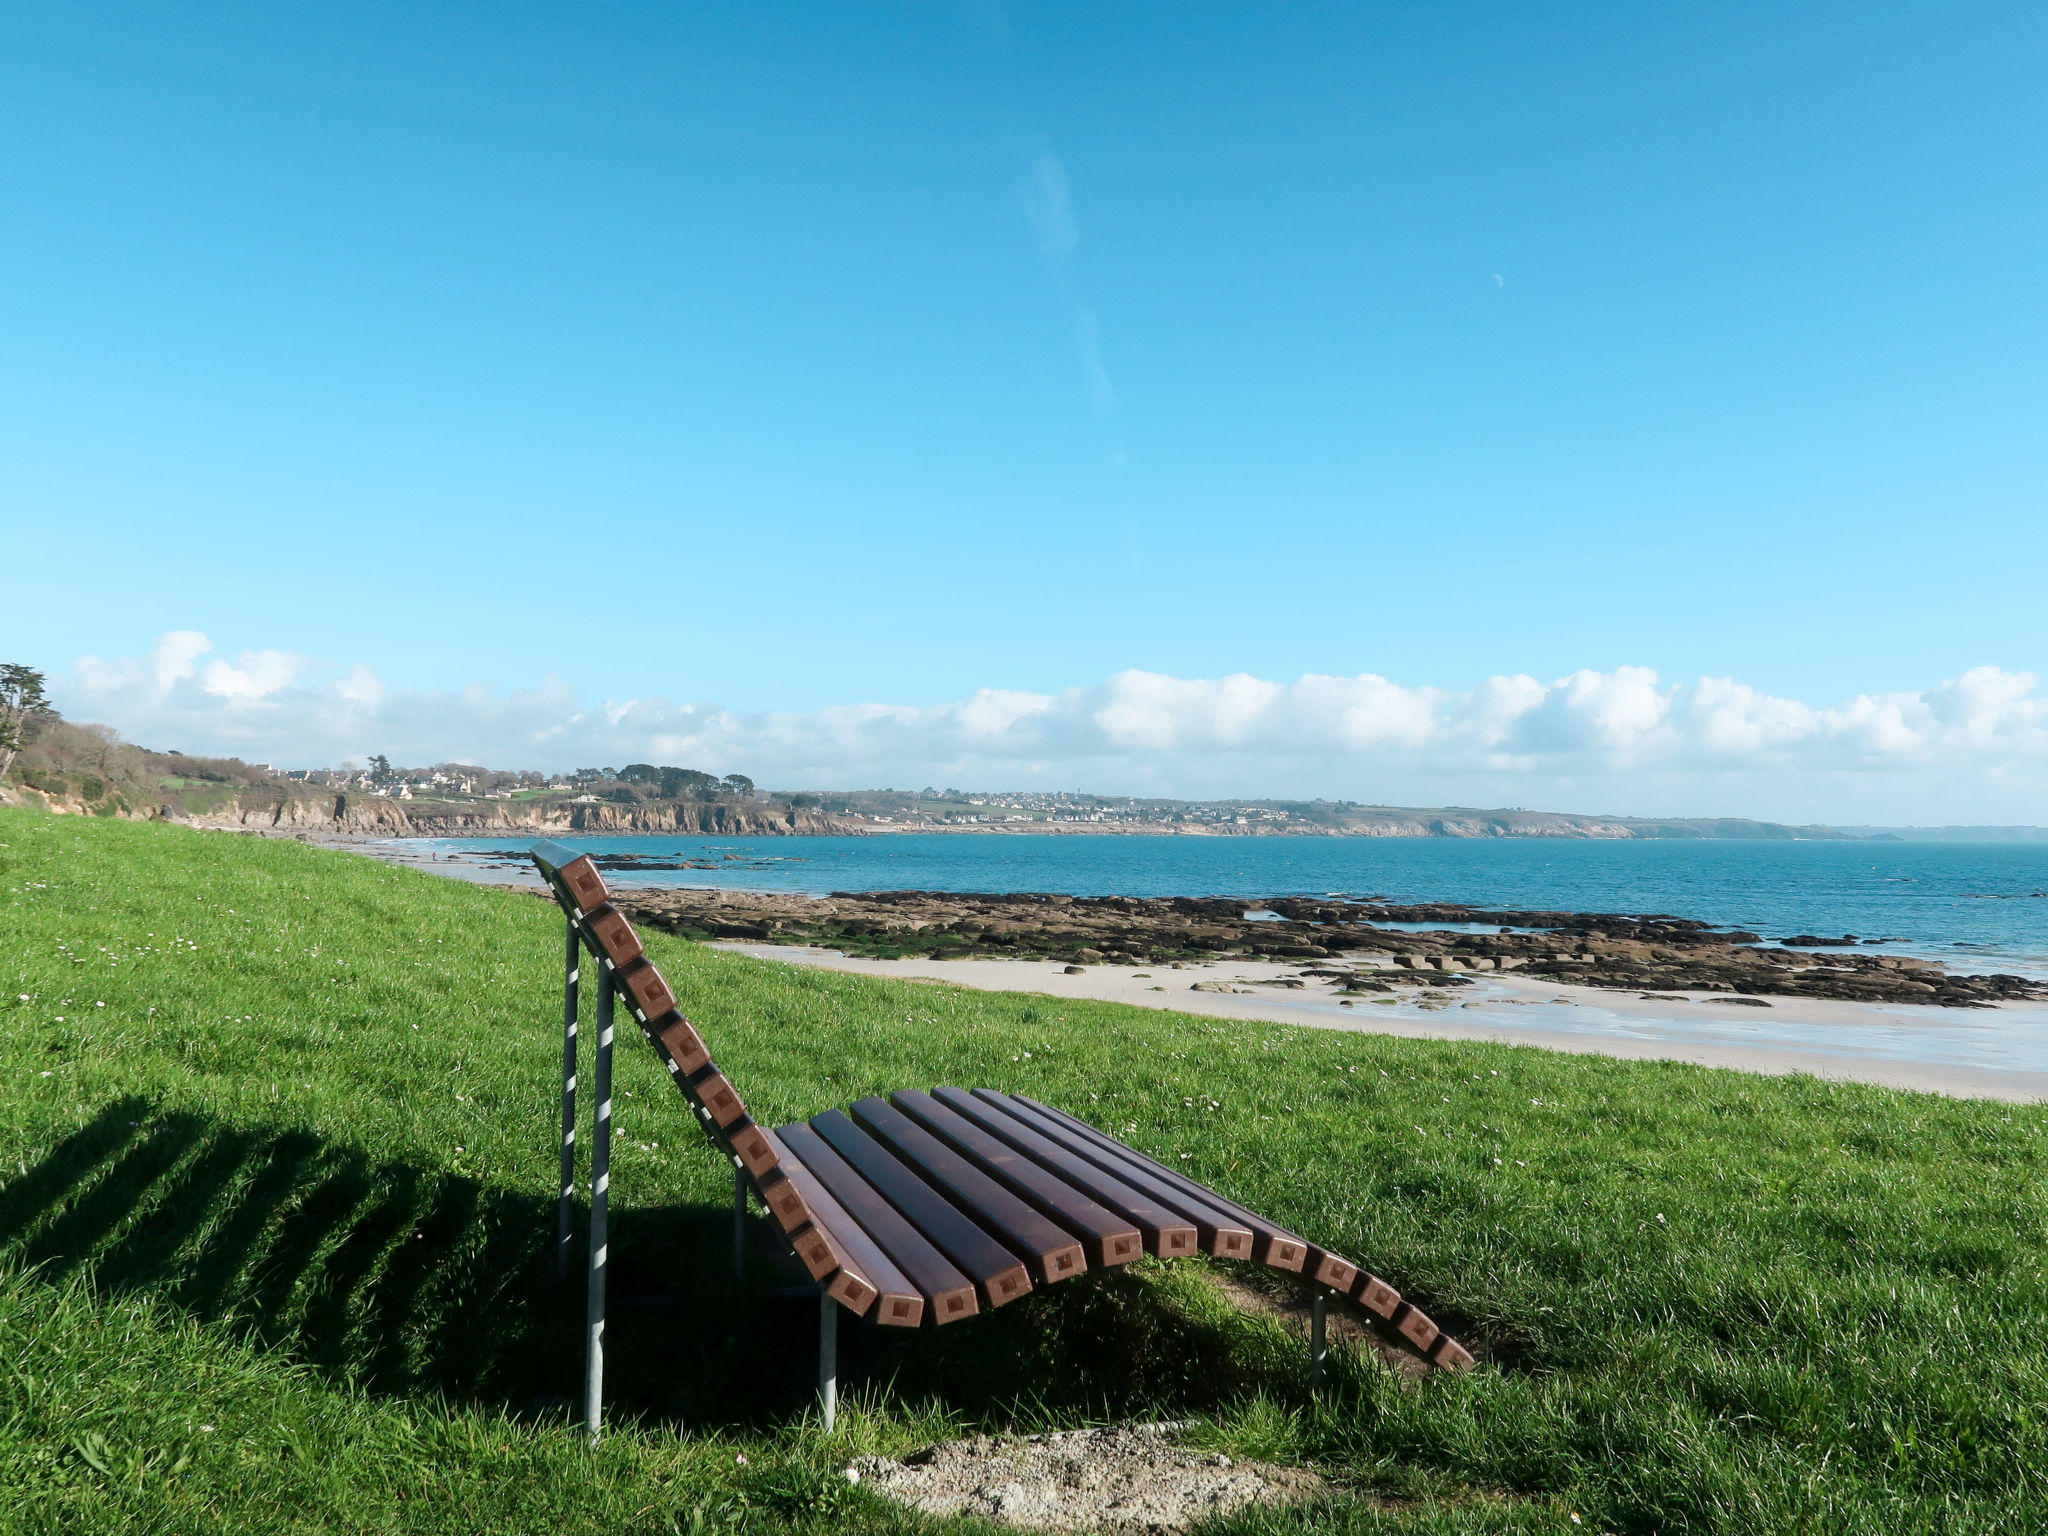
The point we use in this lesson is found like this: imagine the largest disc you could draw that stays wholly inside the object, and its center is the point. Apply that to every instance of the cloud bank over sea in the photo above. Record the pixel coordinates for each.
(1969, 748)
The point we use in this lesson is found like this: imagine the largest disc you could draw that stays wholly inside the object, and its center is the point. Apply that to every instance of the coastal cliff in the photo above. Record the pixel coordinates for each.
(374, 816)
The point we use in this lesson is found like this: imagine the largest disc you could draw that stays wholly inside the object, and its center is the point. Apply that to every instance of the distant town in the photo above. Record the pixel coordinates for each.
(90, 769)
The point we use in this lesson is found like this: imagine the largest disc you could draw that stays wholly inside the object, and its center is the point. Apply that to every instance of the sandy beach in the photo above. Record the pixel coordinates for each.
(1936, 1050)
(1999, 1052)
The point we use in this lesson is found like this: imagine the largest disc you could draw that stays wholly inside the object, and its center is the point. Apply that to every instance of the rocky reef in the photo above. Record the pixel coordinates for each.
(1626, 952)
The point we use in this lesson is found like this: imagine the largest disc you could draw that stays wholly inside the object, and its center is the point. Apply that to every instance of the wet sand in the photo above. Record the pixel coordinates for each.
(1999, 1053)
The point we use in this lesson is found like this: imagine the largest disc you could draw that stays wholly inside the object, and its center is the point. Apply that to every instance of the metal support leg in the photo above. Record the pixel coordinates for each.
(739, 1223)
(1318, 1337)
(564, 1213)
(828, 1360)
(600, 1192)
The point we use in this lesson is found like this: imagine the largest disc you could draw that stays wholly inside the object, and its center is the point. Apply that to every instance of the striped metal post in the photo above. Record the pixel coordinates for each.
(565, 1211)
(600, 1191)
(828, 1360)
(1318, 1337)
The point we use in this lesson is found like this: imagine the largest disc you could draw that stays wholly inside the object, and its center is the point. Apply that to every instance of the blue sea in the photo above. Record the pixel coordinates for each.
(1978, 906)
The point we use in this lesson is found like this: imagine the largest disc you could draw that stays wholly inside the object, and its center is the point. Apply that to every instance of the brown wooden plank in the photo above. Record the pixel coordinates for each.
(949, 1295)
(1220, 1233)
(991, 1266)
(1376, 1296)
(1414, 1325)
(1046, 1247)
(682, 1043)
(645, 991)
(1451, 1355)
(829, 1265)
(614, 935)
(1166, 1232)
(749, 1144)
(718, 1096)
(899, 1304)
(1276, 1247)
(785, 1200)
(585, 884)
(1110, 1237)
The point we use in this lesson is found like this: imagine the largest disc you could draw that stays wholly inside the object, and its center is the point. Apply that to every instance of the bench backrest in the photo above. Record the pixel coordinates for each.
(581, 893)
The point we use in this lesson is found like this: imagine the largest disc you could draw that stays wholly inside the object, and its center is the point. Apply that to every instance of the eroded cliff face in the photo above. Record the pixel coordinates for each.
(373, 816)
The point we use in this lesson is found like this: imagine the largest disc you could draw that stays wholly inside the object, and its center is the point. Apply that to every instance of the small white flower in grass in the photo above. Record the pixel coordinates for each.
(739, 1458)
(206, 1429)
(853, 1474)
(1183, 1157)
(1660, 1215)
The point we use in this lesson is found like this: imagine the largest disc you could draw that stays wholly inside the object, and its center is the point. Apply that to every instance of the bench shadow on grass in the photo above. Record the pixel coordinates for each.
(408, 1280)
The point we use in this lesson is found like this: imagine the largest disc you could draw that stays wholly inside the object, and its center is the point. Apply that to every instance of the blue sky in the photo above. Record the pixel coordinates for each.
(796, 360)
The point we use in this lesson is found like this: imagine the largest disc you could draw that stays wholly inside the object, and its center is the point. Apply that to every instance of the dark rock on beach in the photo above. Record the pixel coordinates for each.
(1627, 952)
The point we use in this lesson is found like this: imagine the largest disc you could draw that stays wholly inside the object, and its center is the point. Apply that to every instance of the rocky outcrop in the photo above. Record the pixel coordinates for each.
(1633, 953)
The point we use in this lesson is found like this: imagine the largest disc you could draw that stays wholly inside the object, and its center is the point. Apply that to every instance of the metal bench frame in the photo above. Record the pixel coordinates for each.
(919, 1209)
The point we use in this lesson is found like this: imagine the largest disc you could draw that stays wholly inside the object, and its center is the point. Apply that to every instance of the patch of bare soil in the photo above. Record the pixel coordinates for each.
(1128, 1479)
(1292, 1305)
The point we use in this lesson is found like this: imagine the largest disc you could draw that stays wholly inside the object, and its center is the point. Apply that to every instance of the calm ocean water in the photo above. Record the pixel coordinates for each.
(1981, 906)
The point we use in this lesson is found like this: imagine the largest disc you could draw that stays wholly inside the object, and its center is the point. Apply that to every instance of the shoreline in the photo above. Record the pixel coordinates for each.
(1912, 1046)
(1508, 1010)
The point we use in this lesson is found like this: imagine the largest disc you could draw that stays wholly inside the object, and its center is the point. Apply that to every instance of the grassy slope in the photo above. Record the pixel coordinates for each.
(274, 1202)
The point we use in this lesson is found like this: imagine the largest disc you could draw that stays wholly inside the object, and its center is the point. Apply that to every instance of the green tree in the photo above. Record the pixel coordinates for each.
(24, 707)
(739, 784)
(679, 782)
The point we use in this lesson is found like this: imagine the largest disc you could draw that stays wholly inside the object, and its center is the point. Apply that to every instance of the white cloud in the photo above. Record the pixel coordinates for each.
(1713, 746)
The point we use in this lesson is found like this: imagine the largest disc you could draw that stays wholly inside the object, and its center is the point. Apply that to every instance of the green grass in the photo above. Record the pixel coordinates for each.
(277, 1138)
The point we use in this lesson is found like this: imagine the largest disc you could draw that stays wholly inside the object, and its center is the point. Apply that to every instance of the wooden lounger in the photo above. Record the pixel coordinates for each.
(927, 1208)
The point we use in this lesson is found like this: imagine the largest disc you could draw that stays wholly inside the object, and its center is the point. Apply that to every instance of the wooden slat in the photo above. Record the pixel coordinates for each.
(750, 1145)
(682, 1043)
(784, 1199)
(1376, 1296)
(1220, 1233)
(1277, 1247)
(948, 1294)
(992, 1267)
(831, 1267)
(1451, 1355)
(585, 884)
(899, 1304)
(647, 993)
(718, 1096)
(1414, 1325)
(614, 935)
(1112, 1237)
(1049, 1249)
(1167, 1233)
(1317, 1263)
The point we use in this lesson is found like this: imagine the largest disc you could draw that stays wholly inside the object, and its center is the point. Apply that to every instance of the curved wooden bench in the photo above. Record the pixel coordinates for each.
(927, 1208)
